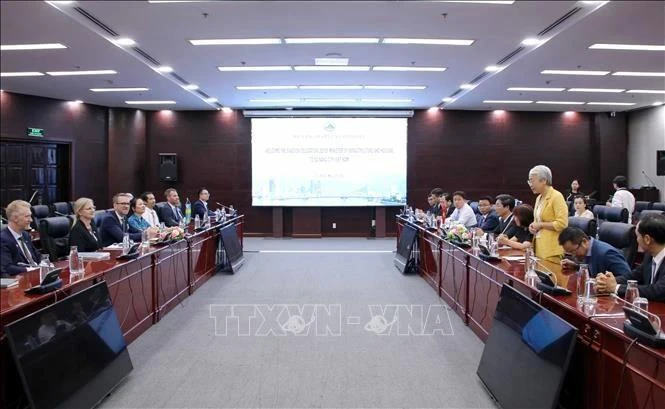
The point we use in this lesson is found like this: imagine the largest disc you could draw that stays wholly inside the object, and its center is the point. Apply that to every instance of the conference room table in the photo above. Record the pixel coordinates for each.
(143, 290)
(604, 367)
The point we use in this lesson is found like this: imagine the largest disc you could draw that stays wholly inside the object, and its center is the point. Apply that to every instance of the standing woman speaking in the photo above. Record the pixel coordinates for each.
(550, 214)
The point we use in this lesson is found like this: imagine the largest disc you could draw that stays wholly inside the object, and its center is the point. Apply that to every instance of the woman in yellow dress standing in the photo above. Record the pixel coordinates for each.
(550, 215)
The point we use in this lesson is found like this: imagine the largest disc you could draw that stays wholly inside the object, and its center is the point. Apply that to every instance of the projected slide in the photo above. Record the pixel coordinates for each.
(329, 161)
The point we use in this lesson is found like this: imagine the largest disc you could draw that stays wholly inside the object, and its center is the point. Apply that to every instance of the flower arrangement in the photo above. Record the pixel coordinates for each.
(458, 232)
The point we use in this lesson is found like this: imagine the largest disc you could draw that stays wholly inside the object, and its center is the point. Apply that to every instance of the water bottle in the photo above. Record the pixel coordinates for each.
(188, 211)
(44, 266)
(125, 243)
(206, 219)
(75, 265)
(582, 278)
(145, 239)
(530, 267)
(197, 222)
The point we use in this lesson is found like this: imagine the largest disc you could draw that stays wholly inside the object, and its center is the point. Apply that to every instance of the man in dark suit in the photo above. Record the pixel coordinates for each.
(650, 275)
(504, 210)
(487, 219)
(598, 255)
(200, 207)
(114, 223)
(17, 253)
(171, 213)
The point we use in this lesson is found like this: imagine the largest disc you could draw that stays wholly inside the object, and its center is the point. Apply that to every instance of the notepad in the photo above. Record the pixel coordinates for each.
(514, 258)
(95, 255)
(8, 282)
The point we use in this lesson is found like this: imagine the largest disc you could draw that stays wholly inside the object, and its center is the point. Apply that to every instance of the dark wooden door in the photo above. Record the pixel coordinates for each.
(29, 167)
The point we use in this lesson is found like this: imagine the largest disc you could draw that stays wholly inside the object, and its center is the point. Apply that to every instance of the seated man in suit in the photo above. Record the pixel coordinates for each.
(171, 213)
(504, 206)
(114, 223)
(17, 253)
(150, 214)
(650, 275)
(600, 256)
(487, 219)
(200, 207)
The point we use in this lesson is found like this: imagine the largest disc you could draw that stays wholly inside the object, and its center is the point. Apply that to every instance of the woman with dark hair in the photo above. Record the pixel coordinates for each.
(523, 217)
(574, 191)
(580, 205)
(136, 220)
(622, 197)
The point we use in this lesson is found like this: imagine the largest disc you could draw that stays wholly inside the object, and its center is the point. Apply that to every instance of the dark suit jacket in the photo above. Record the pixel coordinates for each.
(490, 223)
(11, 254)
(604, 257)
(80, 236)
(652, 292)
(112, 232)
(198, 208)
(167, 216)
(511, 230)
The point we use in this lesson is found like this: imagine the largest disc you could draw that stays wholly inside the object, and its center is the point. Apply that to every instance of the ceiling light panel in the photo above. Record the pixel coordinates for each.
(21, 74)
(639, 74)
(135, 89)
(237, 41)
(264, 87)
(331, 87)
(628, 47)
(151, 102)
(427, 41)
(560, 102)
(419, 69)
(536, 89)
(83, 72)
(612, 103)
(322, 40)
(395, 87)
(574, 72)
(27, 47)
(608, 90)
(506, 101)
(331, 68)
(645, 91)
(256, 68)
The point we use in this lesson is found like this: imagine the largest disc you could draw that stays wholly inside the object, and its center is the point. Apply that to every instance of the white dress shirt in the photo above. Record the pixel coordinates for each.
(623, 198)
(151, 217)
(465, 215)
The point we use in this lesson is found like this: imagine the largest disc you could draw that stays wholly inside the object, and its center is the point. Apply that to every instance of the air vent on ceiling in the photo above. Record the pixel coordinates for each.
(559, 21)
(96, 22)
(145, 55)
(455, 93)
(203, 94)
(478, 78)
(509, 56)
(179, 78)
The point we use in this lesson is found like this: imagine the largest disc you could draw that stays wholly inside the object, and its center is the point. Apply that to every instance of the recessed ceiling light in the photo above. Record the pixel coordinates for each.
(256, 68)
(264, 87)
(395, 87)
(237, 41)
(320, 40)
(84, 72)
(506, 101)
(507, 2)
(611, 103)
(78, 101)
(536, 89)
(387, 100)
(657, 103)
(329, 100)
(498, 112)
(210, 100)
(630, 47)
(331, 68)
(448, 99)
(21, 47)
(560, 102)
(423, 69)
(21, 74)
(467, 86)
(615, 90)
(151, 102)
(124, 41)
(493, 68)
(645, 91)
(118, 89)
(164, 69)
(331, 61)
(569, 113)
(191, 87)
(427, 41)
(574, 72)
(532, 41)
(226, 110)
(348, 87)
(60, 3)
(274, 100)
(639, 74)
(177, 1)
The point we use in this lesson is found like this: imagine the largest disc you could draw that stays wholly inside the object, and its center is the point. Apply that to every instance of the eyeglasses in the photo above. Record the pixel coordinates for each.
(123, 203)
(529, 182)
(572, 253)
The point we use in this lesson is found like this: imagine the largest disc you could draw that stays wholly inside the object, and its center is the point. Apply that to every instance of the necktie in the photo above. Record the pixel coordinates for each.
(178, 216)
(26, 252)
(653, 271)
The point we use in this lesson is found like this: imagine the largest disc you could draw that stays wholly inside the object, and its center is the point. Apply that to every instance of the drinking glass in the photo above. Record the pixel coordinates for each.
(631, 291)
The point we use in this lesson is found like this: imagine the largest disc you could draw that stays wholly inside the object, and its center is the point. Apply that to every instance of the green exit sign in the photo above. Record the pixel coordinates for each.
(35, 132)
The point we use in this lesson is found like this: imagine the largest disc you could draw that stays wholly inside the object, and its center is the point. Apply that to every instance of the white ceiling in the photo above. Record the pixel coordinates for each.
(162, 30)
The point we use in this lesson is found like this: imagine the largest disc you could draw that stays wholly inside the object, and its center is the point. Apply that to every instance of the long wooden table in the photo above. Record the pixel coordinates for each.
(471, 286)
(143, 290)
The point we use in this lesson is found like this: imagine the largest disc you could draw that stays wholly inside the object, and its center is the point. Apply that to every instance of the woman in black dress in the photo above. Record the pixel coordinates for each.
(84, 232)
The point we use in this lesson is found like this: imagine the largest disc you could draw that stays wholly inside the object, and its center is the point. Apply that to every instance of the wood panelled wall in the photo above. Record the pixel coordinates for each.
(480, 152)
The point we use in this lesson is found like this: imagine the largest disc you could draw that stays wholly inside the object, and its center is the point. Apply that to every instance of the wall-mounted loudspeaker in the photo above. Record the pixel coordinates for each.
(168, 167)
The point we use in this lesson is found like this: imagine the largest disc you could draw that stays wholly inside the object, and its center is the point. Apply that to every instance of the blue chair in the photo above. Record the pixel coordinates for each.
(585, 224)
(54, 236)
(651, 211)
(621, 236)
(474, 206)
(38, 212)
(657, 206)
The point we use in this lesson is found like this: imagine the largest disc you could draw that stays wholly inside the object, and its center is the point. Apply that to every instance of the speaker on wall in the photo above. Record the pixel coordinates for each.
(168, 167)
(660, 163)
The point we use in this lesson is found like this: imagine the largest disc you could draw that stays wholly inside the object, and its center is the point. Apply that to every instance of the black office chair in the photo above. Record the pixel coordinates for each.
(62, 208)
(657, 206)
(610, 214)
(640, 206)
(587, 225)
(651, 211)
(621, 236)
(54, 236)
(599, 211)
(98, 217)
(38, 212)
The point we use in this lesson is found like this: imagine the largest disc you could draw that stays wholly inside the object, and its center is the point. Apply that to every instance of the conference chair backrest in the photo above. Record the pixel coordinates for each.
(62, 208)
(474, 206)
(616, 214)
(571, 209)
(54, 236)
(599, 211)
(584, 223)
(621, 236)
(39, 212)
(98, 217)
(658, 206)
(641, 205)
(651, 211)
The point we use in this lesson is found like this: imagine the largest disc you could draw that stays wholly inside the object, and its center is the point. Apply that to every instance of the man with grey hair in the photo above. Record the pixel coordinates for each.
(550, 214)
(17, 253)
